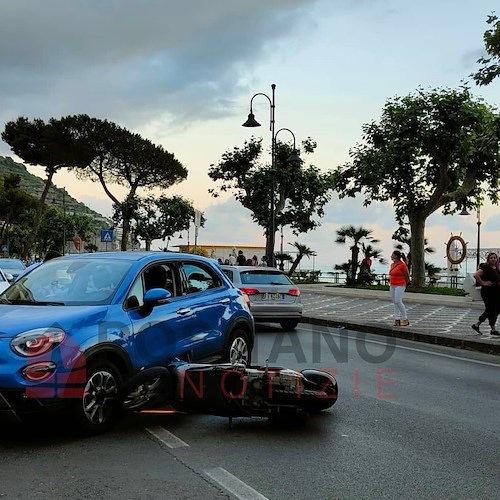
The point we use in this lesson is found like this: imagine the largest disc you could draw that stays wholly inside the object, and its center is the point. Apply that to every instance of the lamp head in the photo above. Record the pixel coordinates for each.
(251, 121)
(294, 158)
(464, 212)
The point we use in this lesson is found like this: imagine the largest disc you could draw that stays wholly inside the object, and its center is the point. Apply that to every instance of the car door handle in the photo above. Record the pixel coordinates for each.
(185, 310)
(225, 301)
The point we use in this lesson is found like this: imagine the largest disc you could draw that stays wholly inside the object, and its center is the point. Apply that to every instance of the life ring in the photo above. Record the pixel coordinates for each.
(462, 253)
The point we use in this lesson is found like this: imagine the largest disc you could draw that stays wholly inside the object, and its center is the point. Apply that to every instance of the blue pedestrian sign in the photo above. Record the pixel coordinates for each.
(4, 248)
(107, 235)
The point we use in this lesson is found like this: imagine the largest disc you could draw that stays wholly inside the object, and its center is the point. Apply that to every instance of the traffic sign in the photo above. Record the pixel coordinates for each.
(107, 235)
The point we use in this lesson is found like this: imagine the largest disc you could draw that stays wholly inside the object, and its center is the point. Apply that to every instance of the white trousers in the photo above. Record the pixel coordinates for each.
(397, 299)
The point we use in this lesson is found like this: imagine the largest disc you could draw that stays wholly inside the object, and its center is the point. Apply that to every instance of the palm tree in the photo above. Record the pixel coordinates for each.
(365, 274)
(302, 250)
(355, 235)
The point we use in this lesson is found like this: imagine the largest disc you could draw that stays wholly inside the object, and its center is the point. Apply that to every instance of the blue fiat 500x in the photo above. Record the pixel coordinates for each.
(74, 329)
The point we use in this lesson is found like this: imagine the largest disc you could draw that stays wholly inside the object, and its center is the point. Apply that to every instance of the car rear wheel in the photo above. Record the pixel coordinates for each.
(238, 349)
(289, 324)
(97, 407)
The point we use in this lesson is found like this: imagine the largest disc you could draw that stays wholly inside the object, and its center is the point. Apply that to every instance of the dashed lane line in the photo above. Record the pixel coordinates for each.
(234, 485)
(167, 438)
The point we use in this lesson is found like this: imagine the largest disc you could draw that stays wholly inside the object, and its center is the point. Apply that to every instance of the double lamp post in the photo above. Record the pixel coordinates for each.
(294, 158)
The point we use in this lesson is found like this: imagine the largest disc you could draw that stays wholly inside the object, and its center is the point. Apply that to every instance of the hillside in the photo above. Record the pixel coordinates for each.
(56, 196)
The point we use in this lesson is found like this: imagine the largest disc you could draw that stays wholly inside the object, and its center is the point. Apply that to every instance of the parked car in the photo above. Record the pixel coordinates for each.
(14, 267)
(4, 281)
(73, 330)
(271, 294)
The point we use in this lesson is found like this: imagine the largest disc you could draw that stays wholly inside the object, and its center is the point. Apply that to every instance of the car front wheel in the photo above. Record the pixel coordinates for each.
(238, 349)
(97, 407)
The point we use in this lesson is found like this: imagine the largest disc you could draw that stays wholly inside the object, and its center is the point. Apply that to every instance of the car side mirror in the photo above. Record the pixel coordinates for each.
(156, 296)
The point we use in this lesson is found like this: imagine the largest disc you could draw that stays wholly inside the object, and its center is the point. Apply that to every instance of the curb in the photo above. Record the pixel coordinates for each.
(459, 343)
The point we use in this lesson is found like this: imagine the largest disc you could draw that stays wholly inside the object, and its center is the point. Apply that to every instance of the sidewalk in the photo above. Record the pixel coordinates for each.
(435, 319)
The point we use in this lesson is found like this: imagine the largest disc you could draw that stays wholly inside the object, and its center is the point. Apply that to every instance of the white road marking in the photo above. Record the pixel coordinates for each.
(232, 484)
(167, 438)
(496, 365)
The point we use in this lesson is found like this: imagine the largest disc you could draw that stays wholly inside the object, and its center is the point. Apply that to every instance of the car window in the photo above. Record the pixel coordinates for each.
(161, 275)
(70, 281)
(12, 264)
(264, 278)
(229, 273)
(199, 277)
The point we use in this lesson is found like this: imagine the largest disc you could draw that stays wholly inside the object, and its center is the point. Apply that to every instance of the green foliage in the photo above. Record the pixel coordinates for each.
(302, 251)
(55, 144)
(300, 192)
(358, 238)
(430, 150)
(434, 290)
(491, 63)
(159, 218)
(306, 277)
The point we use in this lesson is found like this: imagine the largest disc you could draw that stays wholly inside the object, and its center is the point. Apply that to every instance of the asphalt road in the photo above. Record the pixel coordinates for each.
(412, 421)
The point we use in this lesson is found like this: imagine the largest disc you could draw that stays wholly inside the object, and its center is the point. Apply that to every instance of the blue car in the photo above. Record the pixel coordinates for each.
(74, 329)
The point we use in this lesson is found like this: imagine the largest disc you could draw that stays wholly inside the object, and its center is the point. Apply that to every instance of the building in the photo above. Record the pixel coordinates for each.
(223, 251)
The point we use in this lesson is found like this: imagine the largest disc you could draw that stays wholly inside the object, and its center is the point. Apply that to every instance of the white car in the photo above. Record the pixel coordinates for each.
(271, 294)
(4, 282)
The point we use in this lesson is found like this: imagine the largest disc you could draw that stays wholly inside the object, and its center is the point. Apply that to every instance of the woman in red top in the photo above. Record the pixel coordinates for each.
(398, 279)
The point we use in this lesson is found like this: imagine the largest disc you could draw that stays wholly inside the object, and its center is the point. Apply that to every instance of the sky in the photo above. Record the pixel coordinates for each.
(182, 75)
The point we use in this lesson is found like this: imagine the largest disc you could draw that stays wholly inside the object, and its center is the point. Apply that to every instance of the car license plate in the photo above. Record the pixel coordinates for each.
(273, 296)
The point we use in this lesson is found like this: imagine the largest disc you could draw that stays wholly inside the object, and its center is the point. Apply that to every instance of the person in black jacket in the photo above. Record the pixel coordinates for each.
(488, 276)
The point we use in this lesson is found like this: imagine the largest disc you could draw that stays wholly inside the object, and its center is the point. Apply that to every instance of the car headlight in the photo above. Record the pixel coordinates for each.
(37, 342)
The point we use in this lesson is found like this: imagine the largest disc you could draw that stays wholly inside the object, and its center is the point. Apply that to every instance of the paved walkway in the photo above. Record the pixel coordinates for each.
(436, 319)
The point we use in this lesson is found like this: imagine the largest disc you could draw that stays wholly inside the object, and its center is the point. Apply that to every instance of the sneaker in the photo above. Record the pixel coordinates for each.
(494, 332)
(476, 328)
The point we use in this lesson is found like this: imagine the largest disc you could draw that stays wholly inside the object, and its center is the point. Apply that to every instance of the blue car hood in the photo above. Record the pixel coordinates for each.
(15, 319)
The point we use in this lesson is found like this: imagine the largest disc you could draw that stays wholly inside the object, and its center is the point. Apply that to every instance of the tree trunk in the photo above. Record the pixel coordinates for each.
(125, 234)
(148, 245)
(32, 237)
(294, 265)
(417, 227)
(354, 264)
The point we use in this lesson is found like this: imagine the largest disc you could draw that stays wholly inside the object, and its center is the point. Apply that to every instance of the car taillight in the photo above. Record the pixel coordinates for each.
(250, 291)
(294, 291)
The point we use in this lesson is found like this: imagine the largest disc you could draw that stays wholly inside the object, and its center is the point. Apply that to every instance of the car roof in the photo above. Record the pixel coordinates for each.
(135, 256)
(251, 268)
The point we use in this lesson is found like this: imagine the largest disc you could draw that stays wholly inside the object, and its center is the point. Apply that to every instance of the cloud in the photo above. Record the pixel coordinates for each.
(128, 61)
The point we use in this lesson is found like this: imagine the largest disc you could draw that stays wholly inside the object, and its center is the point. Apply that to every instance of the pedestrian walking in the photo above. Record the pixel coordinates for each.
(399, 277)
(263, 261)
(488, 277)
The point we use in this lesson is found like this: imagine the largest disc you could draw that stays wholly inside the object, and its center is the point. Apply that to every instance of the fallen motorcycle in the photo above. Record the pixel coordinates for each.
(231, 390)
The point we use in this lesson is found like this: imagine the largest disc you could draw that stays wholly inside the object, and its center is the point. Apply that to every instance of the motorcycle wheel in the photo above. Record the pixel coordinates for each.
(148, 388)
(324, 383)
(238, 349)
(97, 408)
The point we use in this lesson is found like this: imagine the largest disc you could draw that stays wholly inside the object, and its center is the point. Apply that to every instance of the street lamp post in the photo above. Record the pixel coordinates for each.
(478, 222)
(252, 122)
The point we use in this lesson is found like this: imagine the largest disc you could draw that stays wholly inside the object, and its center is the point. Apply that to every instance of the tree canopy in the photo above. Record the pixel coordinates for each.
(430, 150)
(127, 159)
(300, 192)
(55, 144)
(491, 62)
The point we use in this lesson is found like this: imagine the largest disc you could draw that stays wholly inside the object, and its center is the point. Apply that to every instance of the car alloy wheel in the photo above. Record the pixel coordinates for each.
(238, 350)
(99, 397)
(95, 410)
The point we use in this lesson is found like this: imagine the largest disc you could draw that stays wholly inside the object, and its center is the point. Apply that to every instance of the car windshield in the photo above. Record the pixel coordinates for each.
(264, 278)
(68, 282)
(12, 264)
